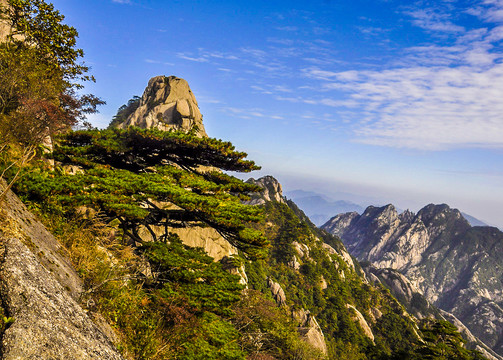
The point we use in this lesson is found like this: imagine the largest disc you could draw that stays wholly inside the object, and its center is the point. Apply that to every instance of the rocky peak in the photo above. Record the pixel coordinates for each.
(339, 223)
(434, 215)
(407, 216)
(272, 190)
(455, 266)
(167, 104)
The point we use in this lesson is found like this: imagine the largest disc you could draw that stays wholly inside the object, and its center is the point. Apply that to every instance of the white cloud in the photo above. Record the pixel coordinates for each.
(433, 21)
(430, 108)
(436, 97)
(191, 58)
(122, 1)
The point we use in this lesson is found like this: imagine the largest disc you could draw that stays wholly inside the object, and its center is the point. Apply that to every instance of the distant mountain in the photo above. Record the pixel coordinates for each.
(473, 221)
(319, 208)
(459, 268)
(416, 304)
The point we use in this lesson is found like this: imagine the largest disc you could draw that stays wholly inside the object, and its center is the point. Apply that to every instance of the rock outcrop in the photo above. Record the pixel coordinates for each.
(358, 317)
(277, 292)
(457, 267)
(167, 104)
(310, 330)
(272, 191)
(39, 289)
(4, 27)
(48, 322)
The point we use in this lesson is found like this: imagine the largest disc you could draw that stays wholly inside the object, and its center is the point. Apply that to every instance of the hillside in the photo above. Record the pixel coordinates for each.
(137, 242)
(139, 210)
(456, 266)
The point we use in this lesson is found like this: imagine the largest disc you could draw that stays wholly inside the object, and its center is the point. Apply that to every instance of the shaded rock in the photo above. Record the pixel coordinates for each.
(49, 324)
(167, 104)
(472, 341)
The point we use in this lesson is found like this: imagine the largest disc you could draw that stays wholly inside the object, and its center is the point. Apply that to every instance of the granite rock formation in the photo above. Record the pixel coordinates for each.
(457, 267)
(39, 289)
(167, 104)
(272, 191)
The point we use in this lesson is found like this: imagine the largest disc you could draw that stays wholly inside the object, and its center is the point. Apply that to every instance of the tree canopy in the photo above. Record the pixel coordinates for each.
(41, 72)
(153, 180)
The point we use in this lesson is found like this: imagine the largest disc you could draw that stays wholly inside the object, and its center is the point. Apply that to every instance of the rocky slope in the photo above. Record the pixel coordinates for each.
(456, 266)
(416, 304)
(40, 290)
(295, 251)
(167, 104)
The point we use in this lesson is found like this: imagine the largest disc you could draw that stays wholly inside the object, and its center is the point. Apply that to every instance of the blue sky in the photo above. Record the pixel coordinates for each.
(398, 101)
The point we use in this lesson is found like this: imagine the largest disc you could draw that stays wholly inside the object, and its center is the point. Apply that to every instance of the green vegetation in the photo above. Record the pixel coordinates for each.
(124, 111)
(41, 71)
(116, 199)
(325, 285)
(153, 180)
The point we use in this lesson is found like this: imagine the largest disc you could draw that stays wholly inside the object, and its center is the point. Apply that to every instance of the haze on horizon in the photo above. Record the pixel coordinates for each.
(394, 100)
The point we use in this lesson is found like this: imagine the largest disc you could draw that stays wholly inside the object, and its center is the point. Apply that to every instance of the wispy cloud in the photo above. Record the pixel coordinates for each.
(191, 58)
(122, 1)
(435, 97)
(434, 21)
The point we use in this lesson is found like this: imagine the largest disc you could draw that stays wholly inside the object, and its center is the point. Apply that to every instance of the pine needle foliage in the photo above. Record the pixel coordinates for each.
(153, 180)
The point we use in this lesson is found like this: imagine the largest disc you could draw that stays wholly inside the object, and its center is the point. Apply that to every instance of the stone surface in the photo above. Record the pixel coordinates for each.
(49, 324)
(4, 28)
(167, 104)
(272, 191)
(362, 322)
(39, 288)
(310, 330)
(277, 292)
(457, 267)
(51, 254)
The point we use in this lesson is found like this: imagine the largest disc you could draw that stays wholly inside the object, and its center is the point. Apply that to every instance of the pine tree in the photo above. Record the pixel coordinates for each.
(152, 179)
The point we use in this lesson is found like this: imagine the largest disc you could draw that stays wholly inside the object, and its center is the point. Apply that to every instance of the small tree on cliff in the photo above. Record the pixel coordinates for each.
(40, 73)
(152, 179)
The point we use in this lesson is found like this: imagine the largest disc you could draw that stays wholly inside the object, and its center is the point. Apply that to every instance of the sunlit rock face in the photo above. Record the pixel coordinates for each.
(4, 27)
(272, 191)
(457, 267)
(167, 104)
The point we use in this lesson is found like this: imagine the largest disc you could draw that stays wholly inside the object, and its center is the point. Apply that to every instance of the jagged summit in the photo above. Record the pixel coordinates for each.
(167, 104)
(272, 190)
(457, 267)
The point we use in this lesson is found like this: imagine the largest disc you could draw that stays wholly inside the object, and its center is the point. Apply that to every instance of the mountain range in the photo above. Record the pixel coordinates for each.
(456, 266)
(154, 252)
(319, 208)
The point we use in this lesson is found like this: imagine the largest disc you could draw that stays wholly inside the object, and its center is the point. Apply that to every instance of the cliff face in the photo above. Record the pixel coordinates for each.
(39, 289)
(457, 267)
(272, 191)
(167, 104)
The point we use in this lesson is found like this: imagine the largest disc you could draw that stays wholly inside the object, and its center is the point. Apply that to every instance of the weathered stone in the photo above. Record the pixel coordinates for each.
(167, 104)
(4, 27)
(49, 324)
(272, 191)
(310, 330)
(51, 254)
(362, 322)
(277, 292)
(39, 288)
